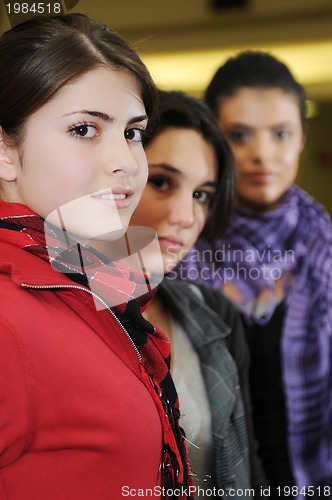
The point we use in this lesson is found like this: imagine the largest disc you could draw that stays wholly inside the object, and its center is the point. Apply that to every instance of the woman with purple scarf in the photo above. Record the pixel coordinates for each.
(275, 262)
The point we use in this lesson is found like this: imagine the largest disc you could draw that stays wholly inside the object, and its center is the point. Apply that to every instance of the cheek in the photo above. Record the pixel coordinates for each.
(239, 151)
(139, 154)
(143, 170)
(145, 213)
(291, 158)
(201, 213)
(290, 162)
(60, 166)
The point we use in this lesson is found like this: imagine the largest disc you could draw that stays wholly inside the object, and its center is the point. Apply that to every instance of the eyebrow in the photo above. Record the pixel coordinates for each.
(247, 126)
(176, 171)
(105, 117)
(166, 166)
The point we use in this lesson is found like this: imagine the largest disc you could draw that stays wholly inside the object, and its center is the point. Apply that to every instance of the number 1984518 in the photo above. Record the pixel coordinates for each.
(35, 8)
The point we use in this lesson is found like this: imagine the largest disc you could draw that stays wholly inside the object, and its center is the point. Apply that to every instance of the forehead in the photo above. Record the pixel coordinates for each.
(187, 151)
(256, 106)
(102, 87)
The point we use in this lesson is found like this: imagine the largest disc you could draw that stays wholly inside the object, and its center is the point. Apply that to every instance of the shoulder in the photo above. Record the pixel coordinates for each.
(204, 300)
(219, 303)
(15, 389)
(12, 297)
(313, 238)
(195, 292)
(315, 233)
(312, 243)
(313, 217)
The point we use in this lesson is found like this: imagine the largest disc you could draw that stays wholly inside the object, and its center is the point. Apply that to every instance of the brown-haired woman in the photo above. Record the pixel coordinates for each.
(87, 406)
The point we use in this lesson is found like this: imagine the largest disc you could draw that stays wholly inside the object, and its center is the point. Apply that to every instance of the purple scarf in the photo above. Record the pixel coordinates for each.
(257, 249)
(295, 237)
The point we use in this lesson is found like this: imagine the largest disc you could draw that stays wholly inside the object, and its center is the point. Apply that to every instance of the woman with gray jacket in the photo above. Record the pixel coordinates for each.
(190, 192)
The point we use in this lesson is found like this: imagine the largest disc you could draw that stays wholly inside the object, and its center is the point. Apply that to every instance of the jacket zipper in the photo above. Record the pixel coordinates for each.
(76, 287)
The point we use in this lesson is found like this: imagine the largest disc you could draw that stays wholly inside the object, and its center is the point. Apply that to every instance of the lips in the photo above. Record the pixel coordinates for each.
(170, 243)
(118, 196)
(261, 177)
(114, 192)
(111, 196)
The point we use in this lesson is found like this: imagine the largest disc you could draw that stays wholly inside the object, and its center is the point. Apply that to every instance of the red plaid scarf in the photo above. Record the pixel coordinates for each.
(116, 285)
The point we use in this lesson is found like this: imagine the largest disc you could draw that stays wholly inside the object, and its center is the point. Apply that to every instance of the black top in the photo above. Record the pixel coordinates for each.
(268, 400)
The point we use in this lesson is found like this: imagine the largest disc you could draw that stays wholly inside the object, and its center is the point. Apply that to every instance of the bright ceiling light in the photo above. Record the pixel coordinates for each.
(191, 71)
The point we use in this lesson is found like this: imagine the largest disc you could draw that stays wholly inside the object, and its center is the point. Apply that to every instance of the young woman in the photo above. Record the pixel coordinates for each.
(190, 173)
(87, 405)
(275, 261)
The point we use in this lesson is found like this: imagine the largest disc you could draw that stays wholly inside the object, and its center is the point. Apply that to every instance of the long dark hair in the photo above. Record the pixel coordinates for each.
(40, 56)
(177, 109)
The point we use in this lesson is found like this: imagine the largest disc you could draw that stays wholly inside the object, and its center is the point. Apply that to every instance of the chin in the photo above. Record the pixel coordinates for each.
(259, 203)
(169, 265)
(112, 235)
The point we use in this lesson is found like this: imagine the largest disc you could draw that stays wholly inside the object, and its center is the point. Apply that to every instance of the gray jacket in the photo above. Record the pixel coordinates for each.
(215, 329)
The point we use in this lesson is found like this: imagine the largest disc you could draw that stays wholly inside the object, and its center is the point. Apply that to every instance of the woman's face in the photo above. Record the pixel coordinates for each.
(181, 183)
(82, 164)
(264, 130)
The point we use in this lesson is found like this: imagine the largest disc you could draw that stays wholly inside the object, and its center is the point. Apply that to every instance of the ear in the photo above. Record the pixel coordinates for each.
(9, 159)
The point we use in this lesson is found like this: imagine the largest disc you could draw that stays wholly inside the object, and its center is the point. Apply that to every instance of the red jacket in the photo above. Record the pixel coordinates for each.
(76, 421)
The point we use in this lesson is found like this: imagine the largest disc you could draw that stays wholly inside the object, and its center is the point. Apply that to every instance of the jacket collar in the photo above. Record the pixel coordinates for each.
(190, 309)
(24, 267)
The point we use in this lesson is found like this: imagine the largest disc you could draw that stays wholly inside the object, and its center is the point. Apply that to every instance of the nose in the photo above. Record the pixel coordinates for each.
(181, 211)
(119, 158)
(261, 149)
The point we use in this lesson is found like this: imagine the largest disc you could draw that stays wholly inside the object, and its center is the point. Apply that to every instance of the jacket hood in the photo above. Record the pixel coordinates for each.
(24, 267)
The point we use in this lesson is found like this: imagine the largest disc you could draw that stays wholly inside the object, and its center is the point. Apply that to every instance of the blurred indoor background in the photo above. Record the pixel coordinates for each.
(183, 42)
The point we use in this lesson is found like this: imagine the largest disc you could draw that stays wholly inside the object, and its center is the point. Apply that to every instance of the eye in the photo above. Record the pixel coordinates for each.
(238, 136)
(159, 183)
(83, 131)
(282, 134)
(134, 134)
(203, 197)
